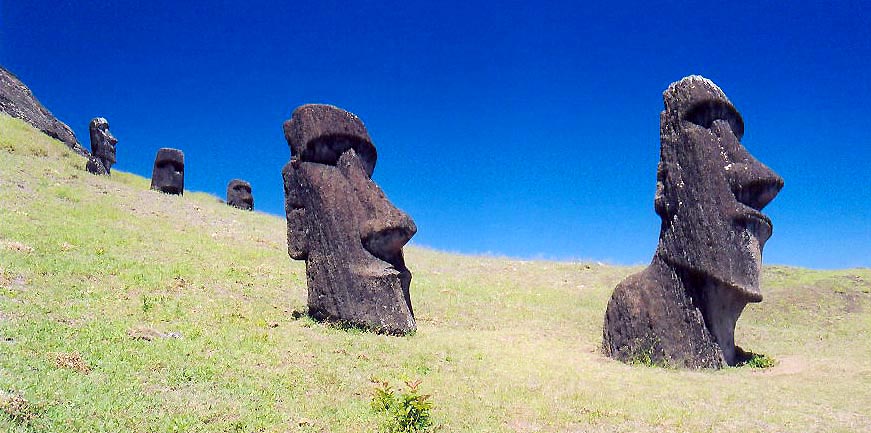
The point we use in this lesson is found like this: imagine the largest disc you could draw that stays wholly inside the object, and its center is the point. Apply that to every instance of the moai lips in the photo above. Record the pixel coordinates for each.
(102, 147)
(341, 223)
(682, 309)
(239, 195)
(168, 173)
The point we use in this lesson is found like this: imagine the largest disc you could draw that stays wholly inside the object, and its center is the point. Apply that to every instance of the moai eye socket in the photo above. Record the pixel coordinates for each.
(704, 114)
(322, 133)
(328, 148)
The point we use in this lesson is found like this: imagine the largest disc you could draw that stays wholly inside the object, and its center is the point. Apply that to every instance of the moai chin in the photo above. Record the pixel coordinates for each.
(168, 173)
(239, 194)
(682, 309)
(102, 147)
(341, 223)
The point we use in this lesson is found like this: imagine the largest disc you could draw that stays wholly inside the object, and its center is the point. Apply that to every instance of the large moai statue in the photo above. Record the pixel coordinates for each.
(168, 173)
(239, 194)
(102, 147)
(340, 222)
(682, 309)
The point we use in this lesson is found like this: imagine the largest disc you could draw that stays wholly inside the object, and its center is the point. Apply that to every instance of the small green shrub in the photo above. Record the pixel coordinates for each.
(406, 412)
(756, 360)
(147, 303)
(643, 351)
(643, 357)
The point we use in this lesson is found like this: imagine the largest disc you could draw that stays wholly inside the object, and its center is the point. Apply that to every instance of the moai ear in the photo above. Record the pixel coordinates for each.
(661, 203)
(297, 244)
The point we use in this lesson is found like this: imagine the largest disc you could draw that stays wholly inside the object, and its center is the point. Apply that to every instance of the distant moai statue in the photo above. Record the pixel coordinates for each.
(682, 309)
(168, 173)
(341, 223)
(102, 147)
(239, 194)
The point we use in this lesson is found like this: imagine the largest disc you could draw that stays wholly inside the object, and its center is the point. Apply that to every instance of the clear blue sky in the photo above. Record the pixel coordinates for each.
(528, 129)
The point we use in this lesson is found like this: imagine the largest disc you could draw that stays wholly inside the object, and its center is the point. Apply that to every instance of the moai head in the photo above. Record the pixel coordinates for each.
(340, 222)
(710, 190)
(168, 173)
(102, 147)
(239, 195)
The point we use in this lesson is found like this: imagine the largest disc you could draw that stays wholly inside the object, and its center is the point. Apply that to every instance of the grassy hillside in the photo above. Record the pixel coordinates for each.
(122, 309)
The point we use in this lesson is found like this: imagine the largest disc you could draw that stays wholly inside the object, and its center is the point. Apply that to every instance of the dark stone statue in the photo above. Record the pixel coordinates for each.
(18, 101)
(682, 309)
(102, 147)
(168, 173)
(239, 195)
(341, 223)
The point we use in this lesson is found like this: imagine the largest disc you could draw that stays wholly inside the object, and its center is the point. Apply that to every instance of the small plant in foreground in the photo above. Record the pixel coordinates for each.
(407, 412)
(756, 360)
(644, 351)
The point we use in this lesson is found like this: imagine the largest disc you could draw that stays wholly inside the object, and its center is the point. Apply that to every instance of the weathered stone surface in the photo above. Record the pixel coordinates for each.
(168, 173)
(102, 147)
(18, 101)
(322, 133)
(95, 166)
(239, 194)
(682, 309)
(341, 223)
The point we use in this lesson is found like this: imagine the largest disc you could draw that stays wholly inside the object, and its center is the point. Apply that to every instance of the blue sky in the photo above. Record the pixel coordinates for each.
(527, 129)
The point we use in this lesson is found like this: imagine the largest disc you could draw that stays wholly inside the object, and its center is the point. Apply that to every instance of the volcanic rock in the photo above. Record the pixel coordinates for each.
(168, 173)
(341, 223)
(18, 101)
(102, 147)
(239, 194)
(682, 309)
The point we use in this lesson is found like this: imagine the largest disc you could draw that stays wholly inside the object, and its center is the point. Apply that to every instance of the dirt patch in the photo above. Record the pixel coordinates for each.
(17, 408)
(12, 281)
(16, 246)
(785, 366)
(523, 426)
(150, 334)
(73, 361)
(852, 301)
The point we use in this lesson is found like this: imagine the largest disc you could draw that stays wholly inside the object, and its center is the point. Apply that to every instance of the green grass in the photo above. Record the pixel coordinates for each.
(122, 309)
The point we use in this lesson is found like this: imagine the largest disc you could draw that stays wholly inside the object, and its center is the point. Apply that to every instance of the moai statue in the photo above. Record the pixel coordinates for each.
(102, 147)
(682, 309)
(239, 195)
(168, 173)
(340, 222)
